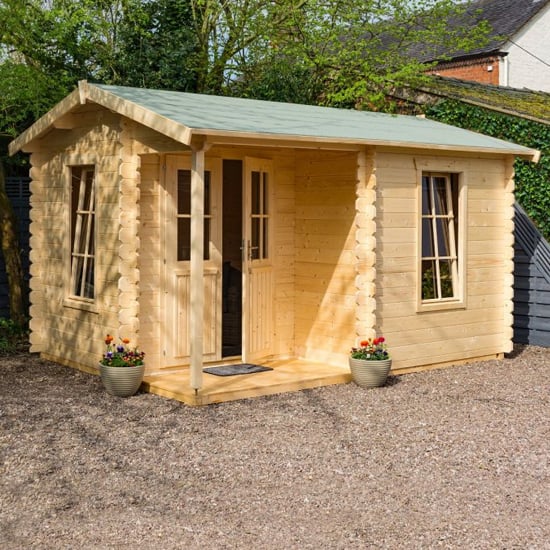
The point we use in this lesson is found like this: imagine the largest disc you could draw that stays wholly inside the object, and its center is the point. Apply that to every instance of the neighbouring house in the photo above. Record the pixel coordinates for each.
(518, 50)
(205, 228)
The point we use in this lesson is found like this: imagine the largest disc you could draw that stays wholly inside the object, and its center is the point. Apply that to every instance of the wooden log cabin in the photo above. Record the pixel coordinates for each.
(211, 228)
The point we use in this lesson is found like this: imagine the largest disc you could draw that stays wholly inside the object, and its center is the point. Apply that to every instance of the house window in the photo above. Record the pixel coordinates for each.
(82, 232)
(439, 238)
(184, 216)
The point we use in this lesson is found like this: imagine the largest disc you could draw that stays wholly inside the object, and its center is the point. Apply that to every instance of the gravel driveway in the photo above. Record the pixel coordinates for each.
(454, 458)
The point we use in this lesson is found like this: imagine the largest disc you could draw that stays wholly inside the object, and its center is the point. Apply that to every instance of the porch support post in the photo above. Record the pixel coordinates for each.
(365, 246)
(197, 266)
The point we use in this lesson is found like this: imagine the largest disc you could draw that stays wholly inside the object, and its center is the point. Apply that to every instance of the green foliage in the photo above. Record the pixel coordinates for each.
(532, 180)
(13, 337)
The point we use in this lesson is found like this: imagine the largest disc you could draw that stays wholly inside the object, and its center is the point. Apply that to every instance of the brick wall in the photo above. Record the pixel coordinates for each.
(483, 70)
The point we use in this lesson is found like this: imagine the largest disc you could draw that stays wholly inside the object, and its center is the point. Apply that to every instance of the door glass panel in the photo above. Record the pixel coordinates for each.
(255, 239)
(184, 215)
(265, 194)
(207, 194)
(255, 193)
(184, 192)
(184, 239)
(265, 249)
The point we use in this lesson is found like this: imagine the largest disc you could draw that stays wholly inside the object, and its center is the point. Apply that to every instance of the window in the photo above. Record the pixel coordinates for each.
(184, 216)
(259, 249)
(82, 232)
(439, 238)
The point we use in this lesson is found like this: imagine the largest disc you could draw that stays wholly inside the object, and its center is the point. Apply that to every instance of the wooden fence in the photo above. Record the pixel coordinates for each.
(17, 189)
(531, 283)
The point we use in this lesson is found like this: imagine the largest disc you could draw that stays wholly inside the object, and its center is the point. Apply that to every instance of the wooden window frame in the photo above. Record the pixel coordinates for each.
(458, 179)
(75, 225)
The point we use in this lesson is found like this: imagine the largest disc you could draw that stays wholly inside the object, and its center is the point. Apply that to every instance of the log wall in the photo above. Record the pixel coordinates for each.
(325, 255)
(483, 326)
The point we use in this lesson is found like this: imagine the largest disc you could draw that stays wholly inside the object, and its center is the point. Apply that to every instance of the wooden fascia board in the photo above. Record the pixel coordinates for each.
(45, 122)
(216, 137)
(137, 113)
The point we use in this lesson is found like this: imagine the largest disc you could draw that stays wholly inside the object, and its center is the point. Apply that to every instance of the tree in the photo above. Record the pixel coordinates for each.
(355, 51)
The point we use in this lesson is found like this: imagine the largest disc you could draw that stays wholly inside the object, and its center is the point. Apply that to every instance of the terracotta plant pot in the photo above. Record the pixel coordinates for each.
(121, 381)
(369, 374)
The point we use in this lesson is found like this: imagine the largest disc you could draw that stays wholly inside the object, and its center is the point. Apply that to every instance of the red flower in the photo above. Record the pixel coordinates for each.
(376, 341)
(108, 339)
(381, 340)
(364, 343)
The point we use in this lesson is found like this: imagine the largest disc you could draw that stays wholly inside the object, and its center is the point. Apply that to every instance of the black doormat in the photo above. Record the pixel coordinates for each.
(231, 370)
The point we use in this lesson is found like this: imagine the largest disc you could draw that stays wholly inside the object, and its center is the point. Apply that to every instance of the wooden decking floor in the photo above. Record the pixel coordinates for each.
(286, 376)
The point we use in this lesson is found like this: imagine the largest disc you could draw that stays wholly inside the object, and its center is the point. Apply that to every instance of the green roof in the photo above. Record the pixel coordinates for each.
(182, 115)
(269, 118)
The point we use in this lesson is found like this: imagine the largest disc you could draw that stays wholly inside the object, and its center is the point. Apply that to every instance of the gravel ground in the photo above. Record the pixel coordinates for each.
(453, 458)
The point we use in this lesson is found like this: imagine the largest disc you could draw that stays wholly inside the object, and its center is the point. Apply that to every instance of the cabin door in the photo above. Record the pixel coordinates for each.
(257, 260)
(177, 278)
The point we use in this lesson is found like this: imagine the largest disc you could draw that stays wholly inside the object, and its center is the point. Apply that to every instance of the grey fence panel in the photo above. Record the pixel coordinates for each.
(531, 283)
(18, 192)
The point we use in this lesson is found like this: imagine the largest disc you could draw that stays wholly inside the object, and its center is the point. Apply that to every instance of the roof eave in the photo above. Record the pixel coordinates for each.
(45, 122)
(137, 113)
(88, 92)
(223, 137)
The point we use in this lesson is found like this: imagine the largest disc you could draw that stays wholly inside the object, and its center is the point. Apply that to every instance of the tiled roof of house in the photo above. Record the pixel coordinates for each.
(506, 18)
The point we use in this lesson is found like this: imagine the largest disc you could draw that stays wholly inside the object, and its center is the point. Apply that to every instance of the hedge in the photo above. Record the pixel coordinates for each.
(532, 180)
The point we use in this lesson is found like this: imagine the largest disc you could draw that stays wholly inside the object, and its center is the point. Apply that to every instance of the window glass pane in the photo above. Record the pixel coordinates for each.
(426, 200)
(429, 286)
(255, 243)
(442, 227)
(184, 239)
(445, 274)
(255, 177)
(89, 283)
(427, 238)
(184, 192)
(440, 195)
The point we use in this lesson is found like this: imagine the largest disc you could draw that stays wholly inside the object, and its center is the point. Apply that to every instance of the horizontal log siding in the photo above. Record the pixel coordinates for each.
(484, 326)
(150, 260)
(74, 335)
(325, 308)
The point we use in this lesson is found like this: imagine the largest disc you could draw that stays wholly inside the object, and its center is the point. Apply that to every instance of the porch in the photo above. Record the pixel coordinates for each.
(287, 376)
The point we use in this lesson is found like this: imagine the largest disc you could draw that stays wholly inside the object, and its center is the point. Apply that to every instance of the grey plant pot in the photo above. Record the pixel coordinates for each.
(369, 374)
(121, 381)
